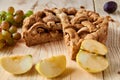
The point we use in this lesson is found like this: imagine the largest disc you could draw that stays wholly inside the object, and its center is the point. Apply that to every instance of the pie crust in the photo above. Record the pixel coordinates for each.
(74, 25)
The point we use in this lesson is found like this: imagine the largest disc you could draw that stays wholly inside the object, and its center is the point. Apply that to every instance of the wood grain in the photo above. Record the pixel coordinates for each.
(73, 71)
(113, 41)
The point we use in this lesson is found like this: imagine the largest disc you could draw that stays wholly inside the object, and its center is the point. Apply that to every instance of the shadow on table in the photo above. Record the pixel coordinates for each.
(66, 73)
(30, 73)
(33, 72)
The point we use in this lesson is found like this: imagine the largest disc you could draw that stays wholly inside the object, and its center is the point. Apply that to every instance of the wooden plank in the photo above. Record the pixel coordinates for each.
(112, 42)
(73, 71)
(64, 3)
(17, 4)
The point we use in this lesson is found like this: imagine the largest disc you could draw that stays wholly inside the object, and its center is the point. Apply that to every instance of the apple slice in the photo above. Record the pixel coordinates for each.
(91, 62)
(52, 67)
(94, 46)
(16, 64)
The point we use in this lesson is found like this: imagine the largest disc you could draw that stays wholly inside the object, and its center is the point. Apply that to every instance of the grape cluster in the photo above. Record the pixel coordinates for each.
(9, 22)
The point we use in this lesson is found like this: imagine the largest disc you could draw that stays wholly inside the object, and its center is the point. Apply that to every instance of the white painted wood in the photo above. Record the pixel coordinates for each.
(113, 41)
(73, 71)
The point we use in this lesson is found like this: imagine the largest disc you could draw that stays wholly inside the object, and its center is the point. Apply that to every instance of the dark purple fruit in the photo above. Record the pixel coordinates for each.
(110, 7)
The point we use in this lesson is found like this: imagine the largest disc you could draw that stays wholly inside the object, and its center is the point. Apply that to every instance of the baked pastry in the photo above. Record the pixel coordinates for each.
(41, 27)
(84, 25)
(74, 26)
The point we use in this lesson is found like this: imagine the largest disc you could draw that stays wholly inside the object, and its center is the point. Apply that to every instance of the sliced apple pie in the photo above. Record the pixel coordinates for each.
(83, 25)
(74, 25)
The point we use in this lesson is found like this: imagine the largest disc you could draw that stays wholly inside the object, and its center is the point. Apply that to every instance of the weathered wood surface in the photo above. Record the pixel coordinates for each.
(113, 42)
(73, 71)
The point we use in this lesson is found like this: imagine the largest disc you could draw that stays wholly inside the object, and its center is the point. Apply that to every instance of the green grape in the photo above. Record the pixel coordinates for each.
(1, 37)
(0, 29)
(6, 35)
(13, 29)
(9, 18)
(10, 41)
(5, 25)
(11, 10)
(19, 12)
(0, 20)
(18, 18)
(18, 24)
(28, 13)
(16, 36)
(2, 16)
(2, 13)
(2, 44)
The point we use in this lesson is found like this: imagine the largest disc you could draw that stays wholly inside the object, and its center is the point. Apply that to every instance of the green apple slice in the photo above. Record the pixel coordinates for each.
(52, 67)
(91, 62)
(17, 64)
(94, 46)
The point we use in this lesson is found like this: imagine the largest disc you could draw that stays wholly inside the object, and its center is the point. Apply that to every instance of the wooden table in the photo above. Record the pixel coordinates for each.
(73, 71)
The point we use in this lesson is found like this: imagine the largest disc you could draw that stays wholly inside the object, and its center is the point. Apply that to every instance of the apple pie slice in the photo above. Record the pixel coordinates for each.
(84, 25)
(41, 27)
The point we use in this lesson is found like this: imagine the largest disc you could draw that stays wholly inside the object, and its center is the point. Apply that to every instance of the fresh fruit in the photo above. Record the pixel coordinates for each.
(52, 67)
(16, 36)
(5, 25)
(13, 29)
(9, 18)
(2, 13)
(91, 62)
(91, 56)
(28, 13)
(20, 13)
(94, 46)
(110, 6)
(17, 64)
(9, 21)
(2, 16)
(1, 37)
(2, 44)
(10, 41)
(6, 34)
(18, 18)
(11, 10)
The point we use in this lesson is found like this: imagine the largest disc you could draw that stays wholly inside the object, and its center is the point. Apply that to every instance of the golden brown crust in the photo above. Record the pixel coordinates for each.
(85, 25)
(41, 27)
(74, 25)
